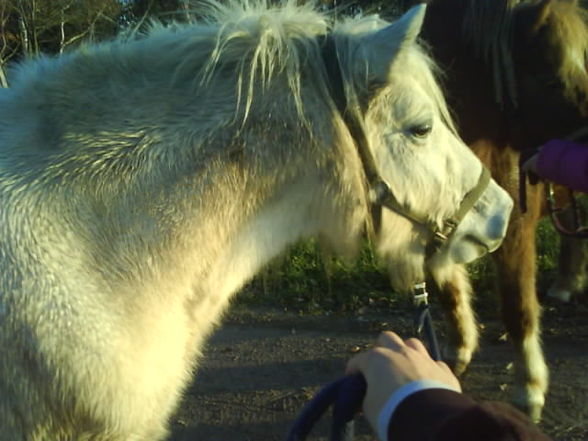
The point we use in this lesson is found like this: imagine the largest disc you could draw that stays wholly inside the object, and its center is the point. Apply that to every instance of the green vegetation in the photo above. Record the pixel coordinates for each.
(306, 281)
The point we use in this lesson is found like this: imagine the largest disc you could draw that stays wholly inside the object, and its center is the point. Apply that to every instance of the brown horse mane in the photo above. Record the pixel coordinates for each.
(488, 27)
(569, 33)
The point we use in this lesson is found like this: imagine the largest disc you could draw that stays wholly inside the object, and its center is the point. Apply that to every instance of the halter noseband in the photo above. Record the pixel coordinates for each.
(380, 193)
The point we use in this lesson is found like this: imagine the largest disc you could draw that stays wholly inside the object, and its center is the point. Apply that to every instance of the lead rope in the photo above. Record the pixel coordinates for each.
(346, 394)
(423, 322)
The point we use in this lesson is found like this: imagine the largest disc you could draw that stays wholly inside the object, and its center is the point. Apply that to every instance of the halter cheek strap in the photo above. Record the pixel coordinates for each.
(441, 234)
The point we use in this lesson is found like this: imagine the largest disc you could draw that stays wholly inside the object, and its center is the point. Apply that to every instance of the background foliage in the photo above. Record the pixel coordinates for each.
(305, 281)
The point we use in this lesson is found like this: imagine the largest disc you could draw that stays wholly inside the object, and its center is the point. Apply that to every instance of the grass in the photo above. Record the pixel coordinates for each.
(307, 282)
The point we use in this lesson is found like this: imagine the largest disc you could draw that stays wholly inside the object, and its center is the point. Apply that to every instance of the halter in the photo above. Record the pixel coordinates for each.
(576, 230)
(380, 193)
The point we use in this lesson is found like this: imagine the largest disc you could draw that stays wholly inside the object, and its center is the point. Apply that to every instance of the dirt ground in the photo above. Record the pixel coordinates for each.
(262, 366)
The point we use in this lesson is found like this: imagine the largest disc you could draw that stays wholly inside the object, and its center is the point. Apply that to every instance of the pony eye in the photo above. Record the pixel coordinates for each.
(420, 130)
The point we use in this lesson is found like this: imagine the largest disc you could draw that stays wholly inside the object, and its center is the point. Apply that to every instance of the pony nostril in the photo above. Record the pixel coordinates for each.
(497, 227)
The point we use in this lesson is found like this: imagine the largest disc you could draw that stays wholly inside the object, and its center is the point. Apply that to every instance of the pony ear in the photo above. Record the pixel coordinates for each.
(382, 47)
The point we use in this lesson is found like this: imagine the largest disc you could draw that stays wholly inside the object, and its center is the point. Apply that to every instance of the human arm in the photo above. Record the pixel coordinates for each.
(435, 410)
(442, 415)
(562, 162)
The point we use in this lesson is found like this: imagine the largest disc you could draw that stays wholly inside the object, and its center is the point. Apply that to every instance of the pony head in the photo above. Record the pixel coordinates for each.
(392, 90)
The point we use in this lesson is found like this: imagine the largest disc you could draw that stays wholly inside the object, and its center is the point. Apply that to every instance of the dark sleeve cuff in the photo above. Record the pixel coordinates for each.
(420, 415)
(443, 415)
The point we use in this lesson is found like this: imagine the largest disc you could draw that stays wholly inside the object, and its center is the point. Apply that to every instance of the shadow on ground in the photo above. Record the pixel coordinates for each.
(261, 367)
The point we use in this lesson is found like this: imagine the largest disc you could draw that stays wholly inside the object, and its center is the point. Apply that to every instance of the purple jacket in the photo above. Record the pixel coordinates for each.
(443, 415)
(564, 163)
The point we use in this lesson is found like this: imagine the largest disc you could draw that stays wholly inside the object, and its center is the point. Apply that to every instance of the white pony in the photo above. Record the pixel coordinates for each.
(143, 182)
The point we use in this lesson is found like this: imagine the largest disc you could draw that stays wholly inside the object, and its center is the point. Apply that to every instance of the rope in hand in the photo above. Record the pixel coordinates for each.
(346, 394)
(346, 397)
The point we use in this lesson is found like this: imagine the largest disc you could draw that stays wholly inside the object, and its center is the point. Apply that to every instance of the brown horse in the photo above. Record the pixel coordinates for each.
(515, 77)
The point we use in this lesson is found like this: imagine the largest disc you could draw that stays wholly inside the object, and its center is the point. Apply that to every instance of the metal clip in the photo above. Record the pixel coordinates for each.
(440, 237)
(421, 296)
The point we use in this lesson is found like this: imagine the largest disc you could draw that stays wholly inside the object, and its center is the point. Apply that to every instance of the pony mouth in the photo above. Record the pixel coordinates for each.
(493, 245)
(482, 247)
(485, 247)
(468, 249)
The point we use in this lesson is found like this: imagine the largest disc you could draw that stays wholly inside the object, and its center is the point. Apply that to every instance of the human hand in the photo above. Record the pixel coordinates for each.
(528, 164)
(392, 364)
